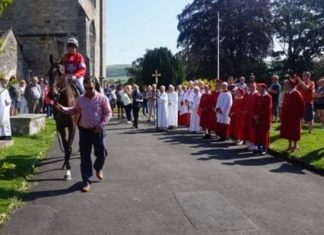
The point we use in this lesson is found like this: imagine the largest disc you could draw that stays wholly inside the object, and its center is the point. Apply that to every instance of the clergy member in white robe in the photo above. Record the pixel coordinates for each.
(195, 119)
(172, 108)
(223, 108)
(5, 102)
(163, 109)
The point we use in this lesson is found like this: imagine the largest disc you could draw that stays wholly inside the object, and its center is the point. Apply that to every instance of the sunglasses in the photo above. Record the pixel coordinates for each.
(88, 88)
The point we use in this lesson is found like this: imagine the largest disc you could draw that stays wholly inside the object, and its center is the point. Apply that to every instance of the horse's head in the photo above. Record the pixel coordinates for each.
(56, 75)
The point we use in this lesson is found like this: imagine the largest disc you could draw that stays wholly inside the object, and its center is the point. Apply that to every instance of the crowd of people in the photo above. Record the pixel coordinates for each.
(236, 109)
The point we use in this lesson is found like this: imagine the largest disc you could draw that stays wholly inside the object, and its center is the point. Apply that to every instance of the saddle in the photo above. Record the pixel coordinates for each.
(76, 89)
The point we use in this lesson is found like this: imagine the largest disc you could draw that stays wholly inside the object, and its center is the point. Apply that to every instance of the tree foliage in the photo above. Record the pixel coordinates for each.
(162, 60)
(299, 29)
(246, 36)
(4, 4)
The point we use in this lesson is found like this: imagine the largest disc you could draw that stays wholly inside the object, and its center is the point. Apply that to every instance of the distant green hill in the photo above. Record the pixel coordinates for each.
(118, 70)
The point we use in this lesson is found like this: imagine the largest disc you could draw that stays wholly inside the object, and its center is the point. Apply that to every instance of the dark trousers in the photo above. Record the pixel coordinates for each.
(128, 110)
(48, 109)
(135, 114)
(89, 138)
(145, 108)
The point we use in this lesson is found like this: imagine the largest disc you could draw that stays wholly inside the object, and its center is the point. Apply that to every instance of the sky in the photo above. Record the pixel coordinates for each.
(133, 26)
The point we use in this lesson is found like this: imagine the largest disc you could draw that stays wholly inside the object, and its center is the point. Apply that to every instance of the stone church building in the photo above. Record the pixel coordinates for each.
(41, 28)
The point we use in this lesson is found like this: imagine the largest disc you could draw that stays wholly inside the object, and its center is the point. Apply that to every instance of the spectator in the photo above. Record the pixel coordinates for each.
(127, 102)
(33, 95)
(22, 100)
(307, 88)
(274, 91)
(119, 101)
(14, 96)
(137, 104)
(319, 100)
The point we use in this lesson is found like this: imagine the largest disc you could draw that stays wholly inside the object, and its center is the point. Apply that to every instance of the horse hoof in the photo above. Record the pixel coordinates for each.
(68, 176)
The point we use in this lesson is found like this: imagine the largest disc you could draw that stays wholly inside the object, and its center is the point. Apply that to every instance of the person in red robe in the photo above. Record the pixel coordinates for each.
(236, 131)
(212, 119)
(263, 119)
(292, 114)
(204, 109)
(248, 109)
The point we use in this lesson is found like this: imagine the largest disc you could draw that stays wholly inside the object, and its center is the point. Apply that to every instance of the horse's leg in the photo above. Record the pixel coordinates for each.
(67, 154)
(71, 130)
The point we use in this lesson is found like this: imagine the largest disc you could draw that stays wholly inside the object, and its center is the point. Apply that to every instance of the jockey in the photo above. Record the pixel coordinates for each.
(74, 64)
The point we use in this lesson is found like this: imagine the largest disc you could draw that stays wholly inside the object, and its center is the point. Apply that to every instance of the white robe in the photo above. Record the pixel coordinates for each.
(224, 103)
(173, 109)
(5, 101)
(189, 98)
(163, 111)
(183, 108)
(195, 119)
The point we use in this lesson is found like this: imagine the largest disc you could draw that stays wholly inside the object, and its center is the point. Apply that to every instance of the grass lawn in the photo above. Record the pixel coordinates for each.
(16, 164)
(311, 146)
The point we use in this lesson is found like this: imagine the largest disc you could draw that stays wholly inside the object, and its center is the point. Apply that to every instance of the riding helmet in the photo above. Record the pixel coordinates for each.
(72, 41)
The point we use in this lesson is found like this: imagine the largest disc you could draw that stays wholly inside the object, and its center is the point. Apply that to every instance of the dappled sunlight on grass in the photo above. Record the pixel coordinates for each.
(311, 146)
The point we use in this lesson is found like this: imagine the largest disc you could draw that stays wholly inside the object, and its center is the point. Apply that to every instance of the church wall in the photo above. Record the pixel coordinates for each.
(11, 59)
(42, 27)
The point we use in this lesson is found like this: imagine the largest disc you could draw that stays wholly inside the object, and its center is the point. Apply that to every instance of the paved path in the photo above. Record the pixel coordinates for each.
(173, 183)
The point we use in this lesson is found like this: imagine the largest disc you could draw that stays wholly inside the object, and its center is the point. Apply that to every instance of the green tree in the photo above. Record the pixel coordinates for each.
(299, 30)
(135, 72)
(246, 36)
(4, 4)
(161, 59)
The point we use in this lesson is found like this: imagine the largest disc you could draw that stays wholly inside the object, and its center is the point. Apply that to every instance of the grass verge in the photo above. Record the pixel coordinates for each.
(311, 146)
(17, 163)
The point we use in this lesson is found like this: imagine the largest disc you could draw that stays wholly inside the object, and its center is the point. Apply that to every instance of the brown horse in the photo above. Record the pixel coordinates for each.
(62, 92)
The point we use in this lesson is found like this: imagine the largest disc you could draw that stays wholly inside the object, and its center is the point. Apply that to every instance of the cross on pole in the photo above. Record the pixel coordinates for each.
(156, 75)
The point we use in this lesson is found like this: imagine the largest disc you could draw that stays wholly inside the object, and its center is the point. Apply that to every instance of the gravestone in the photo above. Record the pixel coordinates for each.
(27, 124)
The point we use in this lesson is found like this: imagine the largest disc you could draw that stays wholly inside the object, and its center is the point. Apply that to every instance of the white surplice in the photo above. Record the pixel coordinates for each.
(163, 111)
(224, 103)
(188, 96)
(173, 109)
(183, 108)
(5, 101)
(195, 119)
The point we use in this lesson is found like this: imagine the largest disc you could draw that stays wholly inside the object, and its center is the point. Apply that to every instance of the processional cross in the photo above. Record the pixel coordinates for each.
(156, 75)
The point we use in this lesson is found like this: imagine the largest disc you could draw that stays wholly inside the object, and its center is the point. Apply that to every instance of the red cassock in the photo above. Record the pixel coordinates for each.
(291, 115)
(248, 109)
(212, 119)
(236, 125)
(204, 110)
(263, 109)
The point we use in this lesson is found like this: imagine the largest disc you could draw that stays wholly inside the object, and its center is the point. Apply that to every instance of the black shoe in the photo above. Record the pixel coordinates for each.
(256, 152)
(207, 136)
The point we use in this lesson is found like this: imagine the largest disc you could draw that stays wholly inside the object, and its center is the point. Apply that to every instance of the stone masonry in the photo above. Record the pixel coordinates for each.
(43, 26)
(11, 58)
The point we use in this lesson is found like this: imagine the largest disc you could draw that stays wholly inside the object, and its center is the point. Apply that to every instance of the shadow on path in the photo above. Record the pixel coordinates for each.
(227, 150)
(52, 193)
